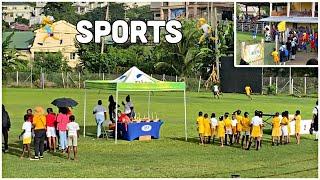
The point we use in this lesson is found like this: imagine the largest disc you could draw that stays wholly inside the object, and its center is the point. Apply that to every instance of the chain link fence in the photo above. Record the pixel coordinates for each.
(278, 85)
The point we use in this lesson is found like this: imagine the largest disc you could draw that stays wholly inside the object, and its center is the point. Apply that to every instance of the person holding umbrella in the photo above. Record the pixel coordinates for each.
(100, 113)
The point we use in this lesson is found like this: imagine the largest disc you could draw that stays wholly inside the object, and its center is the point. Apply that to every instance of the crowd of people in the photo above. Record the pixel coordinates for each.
(49, 131)
(300, 40)
(239, 129)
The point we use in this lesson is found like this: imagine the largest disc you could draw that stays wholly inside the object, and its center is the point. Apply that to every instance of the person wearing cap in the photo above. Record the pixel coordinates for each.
(39, 123)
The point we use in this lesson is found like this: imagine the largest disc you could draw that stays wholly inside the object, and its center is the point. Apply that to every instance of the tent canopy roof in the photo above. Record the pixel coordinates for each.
(135, 80)
(290, 19)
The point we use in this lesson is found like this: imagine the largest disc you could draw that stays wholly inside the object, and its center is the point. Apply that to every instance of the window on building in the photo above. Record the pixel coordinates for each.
(4, 8)
(25, 7)
(157, 15)
(14, 8)
(72, 55)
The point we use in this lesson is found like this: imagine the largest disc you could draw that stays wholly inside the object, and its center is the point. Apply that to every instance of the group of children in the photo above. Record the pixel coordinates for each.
(295, 42)
(46, 130)
(230, 130)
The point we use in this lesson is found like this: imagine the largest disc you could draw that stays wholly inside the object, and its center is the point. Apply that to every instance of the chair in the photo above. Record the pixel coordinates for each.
(106, 131)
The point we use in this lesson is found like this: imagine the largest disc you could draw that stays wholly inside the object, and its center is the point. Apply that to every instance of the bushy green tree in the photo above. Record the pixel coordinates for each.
(22, 20)
(62, 11)
(49, 62)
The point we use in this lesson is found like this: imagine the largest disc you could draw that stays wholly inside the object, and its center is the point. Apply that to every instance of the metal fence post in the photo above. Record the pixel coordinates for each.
(270, 81)
(176, 78)
(17, 78)
(31, 78)
(199, 85)
(276, 85)
(79, 77)
(305, 85)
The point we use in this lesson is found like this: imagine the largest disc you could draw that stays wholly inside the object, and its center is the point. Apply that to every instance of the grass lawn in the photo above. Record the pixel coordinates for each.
(247, 37)
(169, 156)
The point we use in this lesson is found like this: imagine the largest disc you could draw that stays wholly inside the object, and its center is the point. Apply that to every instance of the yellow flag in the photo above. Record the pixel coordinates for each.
(282, 26)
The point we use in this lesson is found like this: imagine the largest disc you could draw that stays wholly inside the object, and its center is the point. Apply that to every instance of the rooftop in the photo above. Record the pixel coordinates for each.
(20, 40)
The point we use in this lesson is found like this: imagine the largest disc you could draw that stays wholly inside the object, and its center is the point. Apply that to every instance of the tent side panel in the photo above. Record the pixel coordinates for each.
(100, 85)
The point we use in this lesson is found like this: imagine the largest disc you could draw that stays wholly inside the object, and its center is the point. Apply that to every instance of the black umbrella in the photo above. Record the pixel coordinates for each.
(64, 102)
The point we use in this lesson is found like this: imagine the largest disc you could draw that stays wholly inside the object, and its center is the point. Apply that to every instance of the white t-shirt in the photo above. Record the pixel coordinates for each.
(127, 107)
(234, 122)
(256, 121)
(27, 129)
(215, 88)
(72, 128)
(205, 28)
(99, 109)
(315, 111)
(214, 122)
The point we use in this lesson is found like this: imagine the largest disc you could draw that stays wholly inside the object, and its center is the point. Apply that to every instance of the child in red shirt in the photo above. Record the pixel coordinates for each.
(51, 129)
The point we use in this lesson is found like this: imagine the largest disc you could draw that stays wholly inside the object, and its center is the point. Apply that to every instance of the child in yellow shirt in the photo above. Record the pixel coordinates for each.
(234, 123)
(245, 123)
(276, 129)
(248, 91)
(297, 118)
(228, 125)
(275, 55)
(239, 126)
(207, 129)
(221, 130)
(200, 124)
(284, 128)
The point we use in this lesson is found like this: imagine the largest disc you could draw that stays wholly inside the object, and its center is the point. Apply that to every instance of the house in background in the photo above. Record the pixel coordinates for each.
(13, 10)
(22, 42)
(64, 31)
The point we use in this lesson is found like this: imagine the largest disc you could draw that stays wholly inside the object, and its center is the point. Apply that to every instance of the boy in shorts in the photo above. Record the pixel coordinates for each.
(73, 135)
(26, 134)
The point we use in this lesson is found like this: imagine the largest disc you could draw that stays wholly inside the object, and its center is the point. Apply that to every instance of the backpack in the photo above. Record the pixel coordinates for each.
(286, 52)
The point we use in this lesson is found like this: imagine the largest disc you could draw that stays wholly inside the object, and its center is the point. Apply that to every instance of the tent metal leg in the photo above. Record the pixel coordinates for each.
(116, 130)
(84, 112)
(185, 115)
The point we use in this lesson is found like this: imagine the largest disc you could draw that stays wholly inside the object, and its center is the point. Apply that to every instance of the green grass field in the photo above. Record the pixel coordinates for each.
(169, 156)
(247, 37)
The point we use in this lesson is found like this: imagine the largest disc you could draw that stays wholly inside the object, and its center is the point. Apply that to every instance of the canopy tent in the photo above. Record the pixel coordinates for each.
(291, 19)
(134, 80)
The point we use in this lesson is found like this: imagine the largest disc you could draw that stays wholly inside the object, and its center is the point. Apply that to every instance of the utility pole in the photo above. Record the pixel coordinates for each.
(106, 18)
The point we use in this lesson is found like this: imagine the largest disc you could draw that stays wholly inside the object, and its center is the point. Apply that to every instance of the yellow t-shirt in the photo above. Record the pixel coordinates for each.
(207, 129)
(221, 130)
(239, 118)
(245, 122)
(284, 121)
(227, 123)
(276, 122)
(248, 89)
(298, 121)
(275, 55)
(39, 122)
(200, 121)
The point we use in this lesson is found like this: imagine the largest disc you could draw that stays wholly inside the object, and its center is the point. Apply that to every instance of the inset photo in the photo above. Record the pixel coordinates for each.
(276, 34)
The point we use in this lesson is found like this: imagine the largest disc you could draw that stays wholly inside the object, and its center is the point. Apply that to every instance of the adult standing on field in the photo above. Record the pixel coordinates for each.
(112, 109)
(6, 124)
(128, 107)
(100, 114)
(315, 113)
(39, 123)
(62, 121)
(248, 91)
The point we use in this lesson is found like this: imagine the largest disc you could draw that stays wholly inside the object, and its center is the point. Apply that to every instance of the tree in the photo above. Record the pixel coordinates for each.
(49, 62)
(183, 58)
(142, 13)
(62, 11)
(22, 20)
(10, 60)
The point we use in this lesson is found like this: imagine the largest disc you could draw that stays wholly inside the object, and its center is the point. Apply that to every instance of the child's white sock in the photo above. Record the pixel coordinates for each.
(316, 132)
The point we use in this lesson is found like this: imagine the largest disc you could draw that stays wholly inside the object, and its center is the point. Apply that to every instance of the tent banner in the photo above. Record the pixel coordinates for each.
(253, 53)
(161, 86)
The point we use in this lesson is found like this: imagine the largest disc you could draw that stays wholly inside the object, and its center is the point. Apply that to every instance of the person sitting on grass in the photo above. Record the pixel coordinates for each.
(245, 122)
(275, 56)
(51, 129)
(73, 135)
(26, 136)
(200, 124)
(297, 119)
(256, 125)
(284, 129)
(228, 126)
(248, 91)
(239, 126)
(234, 123)
(221, 130)
(207, 129)
(214, 124)
(276, 129)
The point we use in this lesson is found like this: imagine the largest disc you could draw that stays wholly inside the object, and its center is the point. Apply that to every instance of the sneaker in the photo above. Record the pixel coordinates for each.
(41, 157)
(6, 150)
(35, 158)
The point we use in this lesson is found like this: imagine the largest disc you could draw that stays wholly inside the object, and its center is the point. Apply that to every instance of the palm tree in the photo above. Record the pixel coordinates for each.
(184, 58)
